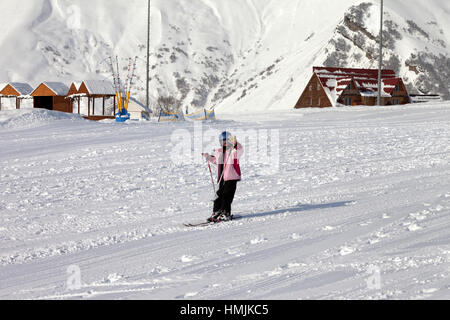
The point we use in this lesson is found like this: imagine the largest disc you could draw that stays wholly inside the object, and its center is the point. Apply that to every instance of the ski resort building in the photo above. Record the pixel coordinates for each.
(15, 95)
(51, 96)
(329, 87)
(93, 99)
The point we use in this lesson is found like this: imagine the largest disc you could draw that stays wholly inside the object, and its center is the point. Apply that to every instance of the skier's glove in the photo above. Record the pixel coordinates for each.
(234, 141)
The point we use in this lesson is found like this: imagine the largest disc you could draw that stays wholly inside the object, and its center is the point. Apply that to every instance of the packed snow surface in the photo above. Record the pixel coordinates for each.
(359, 208)
(235, 55)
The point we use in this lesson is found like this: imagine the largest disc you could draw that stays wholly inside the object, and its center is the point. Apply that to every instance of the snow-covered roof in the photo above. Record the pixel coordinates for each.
(370, 87)
(331, 94)
(23, 88)
(352, 73)
(336, 80)
(99, 87)
(57, 87)
(74, 89)
(77, 85)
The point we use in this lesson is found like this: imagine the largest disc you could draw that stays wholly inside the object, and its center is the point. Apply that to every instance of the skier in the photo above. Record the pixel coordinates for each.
(229, 173)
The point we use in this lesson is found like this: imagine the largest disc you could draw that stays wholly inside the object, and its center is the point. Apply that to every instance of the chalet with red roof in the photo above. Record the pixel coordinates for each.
(329, 87)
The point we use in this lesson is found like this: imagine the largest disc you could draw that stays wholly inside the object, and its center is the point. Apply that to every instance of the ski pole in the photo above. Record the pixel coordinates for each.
(212, 179)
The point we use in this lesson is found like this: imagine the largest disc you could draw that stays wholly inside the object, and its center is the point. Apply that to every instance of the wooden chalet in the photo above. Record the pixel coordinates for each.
(93, 99)
(14, 91)
(51, 96)
(331, 86)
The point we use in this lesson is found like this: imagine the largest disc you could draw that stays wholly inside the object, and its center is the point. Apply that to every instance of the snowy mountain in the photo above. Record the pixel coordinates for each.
(233, 55)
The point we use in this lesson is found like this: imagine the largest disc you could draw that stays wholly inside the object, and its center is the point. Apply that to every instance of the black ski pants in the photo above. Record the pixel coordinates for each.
(225, 196)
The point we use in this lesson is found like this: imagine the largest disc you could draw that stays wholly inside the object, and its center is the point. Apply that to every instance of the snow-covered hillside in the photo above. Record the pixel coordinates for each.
(234, 55)
(359, 209)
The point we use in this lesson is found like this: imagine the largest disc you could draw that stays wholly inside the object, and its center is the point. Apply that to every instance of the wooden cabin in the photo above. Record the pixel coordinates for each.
(346, 86)
(93, 99)
(14, 91)
(52, 96)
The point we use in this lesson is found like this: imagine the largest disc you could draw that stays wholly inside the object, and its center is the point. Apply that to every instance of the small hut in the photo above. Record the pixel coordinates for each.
(52, 96)
(137, 110)
(15, 92)
(93, 99)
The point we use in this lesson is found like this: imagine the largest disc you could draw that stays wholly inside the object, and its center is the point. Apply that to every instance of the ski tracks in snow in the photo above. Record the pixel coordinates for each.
(357, 191)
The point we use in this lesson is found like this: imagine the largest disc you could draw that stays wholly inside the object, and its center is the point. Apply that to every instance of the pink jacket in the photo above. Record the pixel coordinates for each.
(232, 170)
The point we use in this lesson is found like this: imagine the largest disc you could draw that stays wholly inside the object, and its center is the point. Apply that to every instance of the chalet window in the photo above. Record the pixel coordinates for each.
(319, 102)
(397, 87)
(318, 86)
(348, 101)
(311, 101)
(395, 101)
(350, 86)
(310, 87)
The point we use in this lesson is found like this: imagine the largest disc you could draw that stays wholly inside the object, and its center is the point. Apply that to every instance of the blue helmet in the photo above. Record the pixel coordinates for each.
(225, 136)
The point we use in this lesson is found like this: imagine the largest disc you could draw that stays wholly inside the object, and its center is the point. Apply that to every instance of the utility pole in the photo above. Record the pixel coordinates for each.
(148, 57)
(380, 62)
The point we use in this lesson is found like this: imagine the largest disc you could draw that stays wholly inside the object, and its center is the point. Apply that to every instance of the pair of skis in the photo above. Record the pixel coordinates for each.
(200, 224)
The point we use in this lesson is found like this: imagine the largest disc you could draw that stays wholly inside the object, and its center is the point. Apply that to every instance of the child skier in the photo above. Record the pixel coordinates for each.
(229, 173)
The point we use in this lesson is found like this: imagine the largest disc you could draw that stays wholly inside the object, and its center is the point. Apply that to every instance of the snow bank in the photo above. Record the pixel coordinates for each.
(18, 119)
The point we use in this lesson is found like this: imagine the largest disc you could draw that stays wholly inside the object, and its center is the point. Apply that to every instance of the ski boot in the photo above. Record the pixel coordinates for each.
(224, 217)
(215, 216)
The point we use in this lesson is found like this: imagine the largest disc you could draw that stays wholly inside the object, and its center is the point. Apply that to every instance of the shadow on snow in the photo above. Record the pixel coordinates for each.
(300, 208)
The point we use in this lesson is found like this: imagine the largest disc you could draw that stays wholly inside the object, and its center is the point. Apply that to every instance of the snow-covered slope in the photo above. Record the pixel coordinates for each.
(234, 55)
(361, 194)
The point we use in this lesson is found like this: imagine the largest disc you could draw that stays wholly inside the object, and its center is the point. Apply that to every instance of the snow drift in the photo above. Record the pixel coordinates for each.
(21, 119)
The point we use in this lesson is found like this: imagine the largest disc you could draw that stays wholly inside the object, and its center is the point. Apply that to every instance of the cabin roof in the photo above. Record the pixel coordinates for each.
(23, 88)
(337, 80)
(99, 87)
(352, 73)
(370, 87)
(77, 84)
(58, 88)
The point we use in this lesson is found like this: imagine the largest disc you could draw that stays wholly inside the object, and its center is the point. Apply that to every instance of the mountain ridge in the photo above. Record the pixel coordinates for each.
(236, 56)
